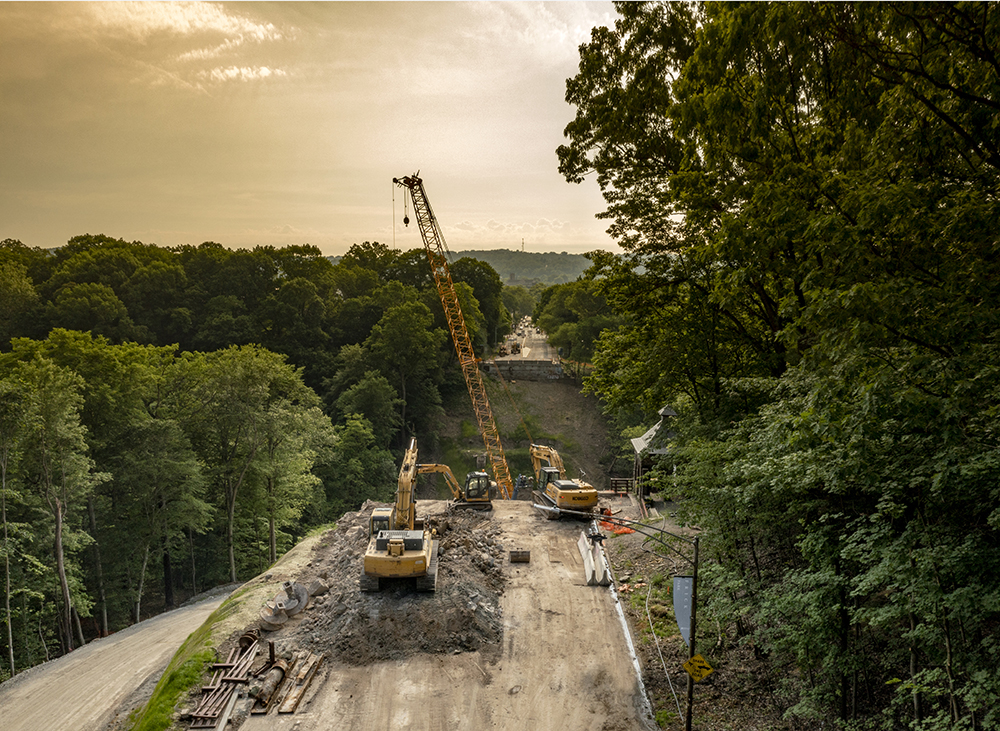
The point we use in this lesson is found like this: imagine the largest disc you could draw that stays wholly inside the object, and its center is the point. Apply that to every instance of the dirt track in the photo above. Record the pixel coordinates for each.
(81, 691)
(564, 662)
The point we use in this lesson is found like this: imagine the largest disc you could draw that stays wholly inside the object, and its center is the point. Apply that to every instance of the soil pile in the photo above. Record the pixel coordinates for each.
(358, 628)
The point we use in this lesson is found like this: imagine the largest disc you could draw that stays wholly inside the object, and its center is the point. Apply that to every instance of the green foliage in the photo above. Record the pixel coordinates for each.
(574, 316)
(805, 195)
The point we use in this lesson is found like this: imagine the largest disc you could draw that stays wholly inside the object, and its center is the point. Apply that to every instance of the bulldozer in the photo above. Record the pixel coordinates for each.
(476, 493)
(399, 545)
(553, 490)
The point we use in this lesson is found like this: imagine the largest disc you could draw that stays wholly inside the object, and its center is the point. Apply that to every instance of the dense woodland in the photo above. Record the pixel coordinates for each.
(176, 418)
(807, 195)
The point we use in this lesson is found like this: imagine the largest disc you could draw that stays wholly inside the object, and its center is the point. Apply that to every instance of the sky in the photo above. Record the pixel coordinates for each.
(284, 123)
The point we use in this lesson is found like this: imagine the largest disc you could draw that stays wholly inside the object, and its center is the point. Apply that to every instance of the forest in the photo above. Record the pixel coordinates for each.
(807, 199)
(175, 418)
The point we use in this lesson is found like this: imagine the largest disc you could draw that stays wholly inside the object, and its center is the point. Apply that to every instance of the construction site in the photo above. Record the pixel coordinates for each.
(499, 608)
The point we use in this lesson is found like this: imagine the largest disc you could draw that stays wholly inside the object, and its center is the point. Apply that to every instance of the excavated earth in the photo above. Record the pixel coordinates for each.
(358, 628)
(499, 645)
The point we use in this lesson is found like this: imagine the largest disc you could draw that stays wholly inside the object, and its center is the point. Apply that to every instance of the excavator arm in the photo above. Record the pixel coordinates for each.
(449, 477)
(540, 452)
(406, 503)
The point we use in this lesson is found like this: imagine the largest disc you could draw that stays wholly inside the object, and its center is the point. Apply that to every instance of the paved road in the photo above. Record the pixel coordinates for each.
(80, 691)
(533, 347)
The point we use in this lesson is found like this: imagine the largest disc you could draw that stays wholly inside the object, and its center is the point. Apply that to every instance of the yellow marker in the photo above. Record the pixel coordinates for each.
(698, 668)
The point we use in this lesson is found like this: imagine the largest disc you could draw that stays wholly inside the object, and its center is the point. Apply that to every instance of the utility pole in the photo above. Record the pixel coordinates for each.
(694, 632)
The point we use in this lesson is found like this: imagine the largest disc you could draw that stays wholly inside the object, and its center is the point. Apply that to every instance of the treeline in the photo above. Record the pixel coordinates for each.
(807, 197)
(176, 418)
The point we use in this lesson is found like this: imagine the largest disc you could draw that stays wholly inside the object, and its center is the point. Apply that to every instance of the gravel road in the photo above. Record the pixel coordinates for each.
(81, 691)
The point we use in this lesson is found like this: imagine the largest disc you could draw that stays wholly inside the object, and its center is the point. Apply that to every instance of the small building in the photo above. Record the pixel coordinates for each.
(655, 443)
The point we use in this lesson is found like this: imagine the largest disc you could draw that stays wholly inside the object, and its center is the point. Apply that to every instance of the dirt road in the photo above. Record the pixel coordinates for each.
(564, 661)
(81, 691)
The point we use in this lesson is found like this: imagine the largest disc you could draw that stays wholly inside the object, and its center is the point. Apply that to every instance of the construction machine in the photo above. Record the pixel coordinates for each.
(437, 251)
(399, 546)
(476, 493)
(553, 489)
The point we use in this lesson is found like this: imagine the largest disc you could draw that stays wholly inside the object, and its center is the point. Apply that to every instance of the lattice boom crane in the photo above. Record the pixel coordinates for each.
(437, 250)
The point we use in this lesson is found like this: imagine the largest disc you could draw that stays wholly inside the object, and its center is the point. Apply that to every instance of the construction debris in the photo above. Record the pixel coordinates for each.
(302, 673)
(218, 696)
(520, 556)
(288, 602)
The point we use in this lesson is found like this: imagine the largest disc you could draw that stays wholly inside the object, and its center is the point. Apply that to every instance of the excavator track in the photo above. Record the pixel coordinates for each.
(428, 582)
(369, 583)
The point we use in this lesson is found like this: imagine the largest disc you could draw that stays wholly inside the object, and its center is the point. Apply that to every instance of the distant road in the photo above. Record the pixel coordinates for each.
(533, 347)
(80, 691)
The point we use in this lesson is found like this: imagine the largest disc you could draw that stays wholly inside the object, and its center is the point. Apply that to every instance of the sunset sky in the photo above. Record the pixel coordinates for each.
(284, 123)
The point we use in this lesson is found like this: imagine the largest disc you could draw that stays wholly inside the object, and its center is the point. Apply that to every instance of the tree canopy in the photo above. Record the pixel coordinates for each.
(806, 198)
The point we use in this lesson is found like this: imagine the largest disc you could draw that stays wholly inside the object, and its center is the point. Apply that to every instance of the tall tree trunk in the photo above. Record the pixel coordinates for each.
(272, 542)
(6, 567)
(194, 576)
(67, 620)
(79, 628)
(168, 583)
(142, 581)
(102, 599)
(231, 517)
(918, 704)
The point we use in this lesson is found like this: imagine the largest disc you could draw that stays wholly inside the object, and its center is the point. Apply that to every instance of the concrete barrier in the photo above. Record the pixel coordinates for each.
(525, 370)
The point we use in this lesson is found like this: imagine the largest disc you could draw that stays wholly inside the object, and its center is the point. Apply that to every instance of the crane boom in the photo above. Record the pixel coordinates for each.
(436, 248)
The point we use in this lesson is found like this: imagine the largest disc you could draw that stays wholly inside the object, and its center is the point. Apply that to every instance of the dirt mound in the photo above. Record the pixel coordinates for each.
(358, 628)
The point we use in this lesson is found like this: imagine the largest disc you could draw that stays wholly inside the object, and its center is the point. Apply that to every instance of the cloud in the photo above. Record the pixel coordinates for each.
(186, 44)
(550, 32)
(240, 73)
(142, 20)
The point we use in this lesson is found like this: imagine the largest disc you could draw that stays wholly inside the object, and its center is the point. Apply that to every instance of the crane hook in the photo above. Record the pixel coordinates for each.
(406, 220)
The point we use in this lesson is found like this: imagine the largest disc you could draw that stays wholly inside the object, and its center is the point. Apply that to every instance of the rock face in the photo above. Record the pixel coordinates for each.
(358, 628)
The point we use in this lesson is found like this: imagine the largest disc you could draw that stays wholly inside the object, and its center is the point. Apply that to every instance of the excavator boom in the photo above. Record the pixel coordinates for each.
(436, 248)
(476, 493)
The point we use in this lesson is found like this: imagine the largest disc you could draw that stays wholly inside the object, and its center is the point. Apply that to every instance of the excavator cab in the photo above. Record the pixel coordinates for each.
(382, 519)
(547, 475)
(477, 486)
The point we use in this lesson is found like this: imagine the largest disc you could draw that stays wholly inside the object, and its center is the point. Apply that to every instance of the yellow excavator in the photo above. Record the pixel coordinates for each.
(399, 546)
(476, 493)
(553, 489)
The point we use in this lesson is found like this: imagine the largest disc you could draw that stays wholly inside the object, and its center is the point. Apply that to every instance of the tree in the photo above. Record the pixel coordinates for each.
(236, 389)
(805, 194)
(357, 469)
(487, 288)
(519, 301)
(92, 307)
(407, 351)
(55, 461)
(14, 405)
(374, 398)
(18, 301)
(574, 315)
(160, 494)
(293, 440)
